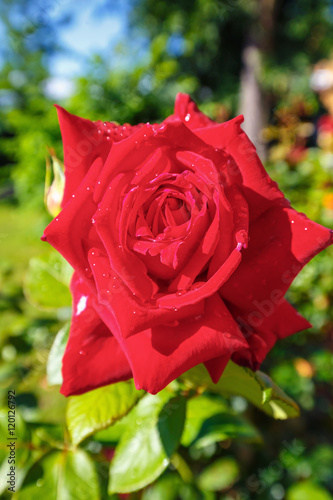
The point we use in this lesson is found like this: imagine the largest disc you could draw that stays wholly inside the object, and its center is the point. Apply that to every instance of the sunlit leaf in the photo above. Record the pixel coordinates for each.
(198, 409)
(219, 475)
(307, 490)
(54, 362)
(62, 475)
(224, 426)
(145, 449)
(95, 410)
(257, 387)
(47, 280)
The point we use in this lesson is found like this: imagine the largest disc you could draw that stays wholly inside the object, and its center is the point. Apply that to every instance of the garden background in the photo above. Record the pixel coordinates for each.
(125, 61)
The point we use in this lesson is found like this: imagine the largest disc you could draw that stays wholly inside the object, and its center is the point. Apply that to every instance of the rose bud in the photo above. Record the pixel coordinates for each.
(53, 193)
(183, 249)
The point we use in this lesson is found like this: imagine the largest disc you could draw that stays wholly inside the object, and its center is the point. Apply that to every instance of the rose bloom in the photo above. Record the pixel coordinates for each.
(182, 247)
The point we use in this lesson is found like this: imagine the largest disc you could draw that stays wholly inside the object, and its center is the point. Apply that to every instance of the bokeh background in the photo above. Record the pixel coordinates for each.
(124, 61)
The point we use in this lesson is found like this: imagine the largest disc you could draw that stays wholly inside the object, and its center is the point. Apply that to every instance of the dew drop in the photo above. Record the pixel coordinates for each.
(107, 138)
(106, 275)
(175, 309)
(98, 182)
(88, 188)
(305, 229)
(56, 219)
(83, 353)
(105, 124)
(187, 117)
(73, 195)
(293, 222)
(93, 221)
(99, 131)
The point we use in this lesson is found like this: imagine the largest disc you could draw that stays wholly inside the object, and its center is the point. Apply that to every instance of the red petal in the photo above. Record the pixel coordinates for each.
(216, 366)
(93, 357)
(282, 242)
(263, 326)
(127, 314)
(72, 230)
(259, 189)
(82, 146)
(187, 110)
(160, 354)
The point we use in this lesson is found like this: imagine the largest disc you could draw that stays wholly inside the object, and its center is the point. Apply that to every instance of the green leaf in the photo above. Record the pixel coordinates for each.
(220, 475)
(308, 490)
(165, 488)
(62, 475)
(47, 281)
(237, 380)
(145, 449)
(54, 362)
(225, 426)
(95, 410)
(198, 409)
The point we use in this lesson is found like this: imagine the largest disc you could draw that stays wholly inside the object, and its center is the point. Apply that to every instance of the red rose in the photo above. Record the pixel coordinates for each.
(182, 246)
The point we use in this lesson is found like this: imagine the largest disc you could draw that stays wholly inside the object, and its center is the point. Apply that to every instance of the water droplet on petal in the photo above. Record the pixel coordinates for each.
(187, 117)
(106, 275)
(99, 131)
(83, 353)
(305, 229)
(73, 195)
(88, 271)
(293, 222)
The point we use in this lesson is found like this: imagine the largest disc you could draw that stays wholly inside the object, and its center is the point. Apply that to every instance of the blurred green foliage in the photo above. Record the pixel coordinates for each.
(195, 47)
